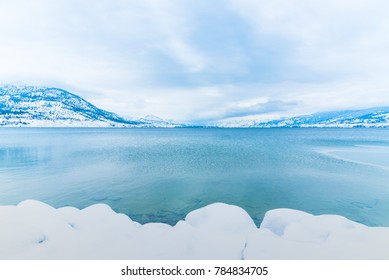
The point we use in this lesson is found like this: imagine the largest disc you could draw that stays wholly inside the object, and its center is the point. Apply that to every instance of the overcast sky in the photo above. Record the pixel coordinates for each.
(198, 60)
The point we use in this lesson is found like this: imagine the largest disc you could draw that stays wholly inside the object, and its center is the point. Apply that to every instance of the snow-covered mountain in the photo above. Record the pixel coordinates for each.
(53, 107)
(373, 117)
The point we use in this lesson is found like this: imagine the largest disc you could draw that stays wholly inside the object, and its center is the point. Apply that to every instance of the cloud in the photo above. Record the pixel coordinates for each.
(271, 106)
(333, 39)
(197, 60)
(260, 108)
(168, 20)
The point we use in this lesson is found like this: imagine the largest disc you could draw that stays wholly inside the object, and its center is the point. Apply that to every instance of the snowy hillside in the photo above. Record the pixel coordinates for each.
(53, 107)
(373, 117)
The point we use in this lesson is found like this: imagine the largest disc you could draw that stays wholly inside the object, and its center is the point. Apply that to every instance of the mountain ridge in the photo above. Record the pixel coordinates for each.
(368, 117)
(50, 106)
(54, 107)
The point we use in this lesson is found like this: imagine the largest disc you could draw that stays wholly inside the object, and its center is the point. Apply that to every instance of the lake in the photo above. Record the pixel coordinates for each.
(160, 175)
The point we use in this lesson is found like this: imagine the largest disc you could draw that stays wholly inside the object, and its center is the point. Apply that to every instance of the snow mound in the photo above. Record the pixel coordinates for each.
(291, 234)
(34, 230)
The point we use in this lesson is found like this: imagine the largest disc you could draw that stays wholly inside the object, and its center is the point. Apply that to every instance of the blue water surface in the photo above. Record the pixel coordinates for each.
(160, 175)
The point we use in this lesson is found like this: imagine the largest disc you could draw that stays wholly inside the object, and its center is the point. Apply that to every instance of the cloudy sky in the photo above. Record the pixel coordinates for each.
(201, 60)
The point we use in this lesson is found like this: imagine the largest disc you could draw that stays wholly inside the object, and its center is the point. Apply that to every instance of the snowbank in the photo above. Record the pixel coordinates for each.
(34, 230)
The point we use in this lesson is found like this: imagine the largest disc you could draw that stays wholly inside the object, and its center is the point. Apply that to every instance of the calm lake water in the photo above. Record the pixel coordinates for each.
(159, 175)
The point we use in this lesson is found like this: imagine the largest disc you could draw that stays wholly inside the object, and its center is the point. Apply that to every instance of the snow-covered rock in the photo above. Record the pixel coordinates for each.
(291, 234)
(34, 230)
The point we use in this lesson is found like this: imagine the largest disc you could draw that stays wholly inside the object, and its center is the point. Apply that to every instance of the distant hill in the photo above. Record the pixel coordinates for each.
(372, 117)
(54, 107)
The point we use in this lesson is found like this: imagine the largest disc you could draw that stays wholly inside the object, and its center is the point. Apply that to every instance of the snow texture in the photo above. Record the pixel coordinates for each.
(34, 230)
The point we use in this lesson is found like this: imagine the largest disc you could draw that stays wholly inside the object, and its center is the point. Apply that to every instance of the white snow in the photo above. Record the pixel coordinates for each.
(34, 230)
(291, 234)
